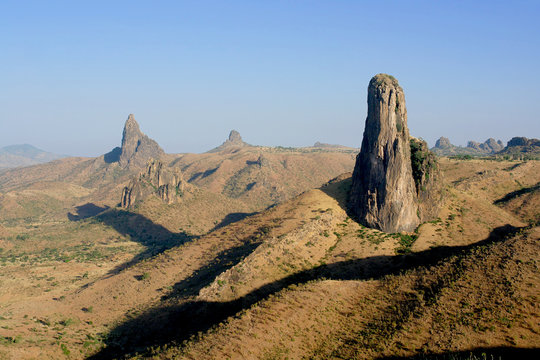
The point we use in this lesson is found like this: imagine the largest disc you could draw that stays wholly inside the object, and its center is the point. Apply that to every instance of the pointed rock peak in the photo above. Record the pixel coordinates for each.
(234, 137)
(131, 130)
(131, 120)
(136, 147)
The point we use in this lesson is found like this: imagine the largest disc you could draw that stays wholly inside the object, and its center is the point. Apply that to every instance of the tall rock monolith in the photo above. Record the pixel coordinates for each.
(383, 193)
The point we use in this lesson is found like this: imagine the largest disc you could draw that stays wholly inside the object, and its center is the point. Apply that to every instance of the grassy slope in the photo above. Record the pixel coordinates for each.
(240, 270)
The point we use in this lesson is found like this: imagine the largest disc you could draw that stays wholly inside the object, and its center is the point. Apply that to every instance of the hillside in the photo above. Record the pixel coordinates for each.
(298, 280)
(228, 183)
(24, 155)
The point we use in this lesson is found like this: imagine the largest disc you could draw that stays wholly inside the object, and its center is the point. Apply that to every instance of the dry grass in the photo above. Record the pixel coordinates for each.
(300, 280)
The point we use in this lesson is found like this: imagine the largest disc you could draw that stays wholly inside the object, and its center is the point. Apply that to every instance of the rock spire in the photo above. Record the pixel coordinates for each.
(137, 148)
(383, 193)
(234, 141)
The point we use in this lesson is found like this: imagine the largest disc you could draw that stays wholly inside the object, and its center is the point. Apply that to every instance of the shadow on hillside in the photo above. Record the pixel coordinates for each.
(232, 218)
(338, 189)
(517, 193)
(113, 155)
(156, 238)
(85, 211)
(207, 274)
(202, 174)
(495, 353)
(180, 321)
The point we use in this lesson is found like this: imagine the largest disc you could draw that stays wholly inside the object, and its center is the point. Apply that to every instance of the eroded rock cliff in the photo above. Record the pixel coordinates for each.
(158, 180)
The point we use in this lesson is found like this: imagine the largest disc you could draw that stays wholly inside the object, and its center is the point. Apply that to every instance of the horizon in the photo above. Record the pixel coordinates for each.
(2, 147)
(282, 74)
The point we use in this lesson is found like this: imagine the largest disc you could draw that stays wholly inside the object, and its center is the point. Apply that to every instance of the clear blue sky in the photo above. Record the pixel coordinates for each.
(281, 72)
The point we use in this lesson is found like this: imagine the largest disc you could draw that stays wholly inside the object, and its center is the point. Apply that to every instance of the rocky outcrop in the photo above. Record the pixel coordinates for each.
(491, 145)
(443, 143)
(383, 193)
(521, 148)
(427, 179)
(235, 138)
(156, 180)
(233, 142)
(474, 145)
(443, 147)
(136, 149)
(523, 141)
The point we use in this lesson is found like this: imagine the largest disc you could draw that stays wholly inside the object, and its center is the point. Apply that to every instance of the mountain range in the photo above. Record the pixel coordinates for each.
(516, 148)
(24, 155)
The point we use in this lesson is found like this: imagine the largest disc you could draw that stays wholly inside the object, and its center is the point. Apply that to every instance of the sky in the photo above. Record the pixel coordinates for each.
(286, 73)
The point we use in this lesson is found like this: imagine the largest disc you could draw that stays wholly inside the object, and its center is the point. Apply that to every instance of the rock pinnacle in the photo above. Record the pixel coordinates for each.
(383, 193)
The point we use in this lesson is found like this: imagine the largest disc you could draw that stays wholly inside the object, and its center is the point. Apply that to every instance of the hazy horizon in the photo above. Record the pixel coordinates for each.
(280, 73)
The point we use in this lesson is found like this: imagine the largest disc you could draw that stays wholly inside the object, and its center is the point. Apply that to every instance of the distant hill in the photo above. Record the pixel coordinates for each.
(24, 155)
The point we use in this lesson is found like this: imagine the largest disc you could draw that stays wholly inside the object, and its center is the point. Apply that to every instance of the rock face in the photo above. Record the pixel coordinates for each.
(158, 180)
(136, 149)
(234, 141)
(383, 194)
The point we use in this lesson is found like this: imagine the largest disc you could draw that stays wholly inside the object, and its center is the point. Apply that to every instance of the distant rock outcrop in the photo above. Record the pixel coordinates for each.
(383, 193)
(234, 141)
(385, 190)
(443, 143)
(492, 145)
(165, 183)
(521, 148)
(136, 149)
(443, 147)
(523, 141)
